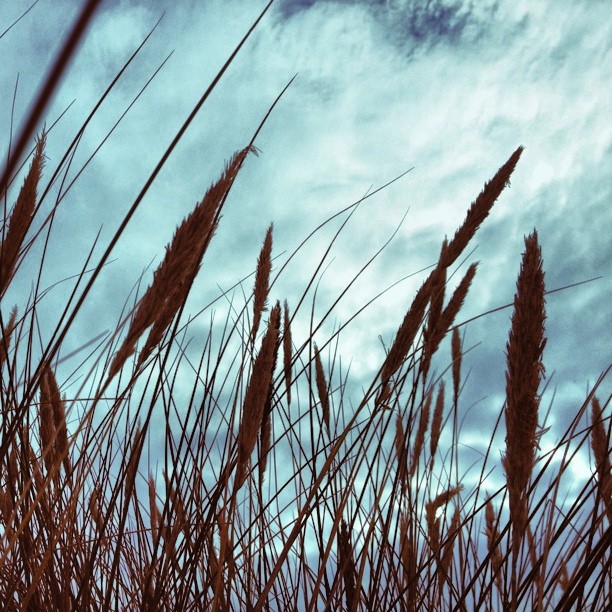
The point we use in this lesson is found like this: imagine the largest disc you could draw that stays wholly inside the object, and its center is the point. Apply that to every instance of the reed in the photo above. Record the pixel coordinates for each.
(146, 478)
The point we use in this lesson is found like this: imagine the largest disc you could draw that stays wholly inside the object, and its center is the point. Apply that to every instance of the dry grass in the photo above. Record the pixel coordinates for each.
(268, 486)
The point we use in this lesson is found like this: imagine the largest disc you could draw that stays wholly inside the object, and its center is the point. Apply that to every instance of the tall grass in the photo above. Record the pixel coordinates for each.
(272, 487)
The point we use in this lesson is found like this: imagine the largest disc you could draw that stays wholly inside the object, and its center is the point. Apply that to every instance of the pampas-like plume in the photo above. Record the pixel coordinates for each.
(256, 396)
(419, 439)
(154, 513)
(436, 421)
(479, 210)
(404, 338)
(524, 370)
(433, 522)
(492, 538)
(408, 555)
(52, 419)
(407, 331)
(446, 318)
(21, 216)
(346, 565)
(447, 555)
(262, 279)
(400, 449)
(5, 343)
(437, 302)
(600, 443)
(265, 431)
(94, 507)
(322, 388)
(172, 279)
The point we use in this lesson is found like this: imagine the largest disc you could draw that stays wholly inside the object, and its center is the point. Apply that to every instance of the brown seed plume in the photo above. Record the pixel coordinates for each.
(404, 338)
(400, 450)
(446, 318)
(322, 388)
(52, 419)
(346, 565)
(256, 395)
(21, 217)
(432, 521)
(419, 439)
(409, 561)
(436, 421)
(94, 507)
(262, 280)
(172, 279)
(154, 513)
(435, 309)
(492, 537)
(5, 343)
(265, 432)
(524, 371)
(479, 210)
(447, 554)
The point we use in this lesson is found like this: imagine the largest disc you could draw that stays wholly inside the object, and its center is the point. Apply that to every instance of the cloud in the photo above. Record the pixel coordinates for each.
(448, 87)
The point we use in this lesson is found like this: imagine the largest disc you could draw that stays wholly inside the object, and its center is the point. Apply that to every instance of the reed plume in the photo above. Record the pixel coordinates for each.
(446, 318)
(322, 389)
(262, 280)
(419, 438)
(7, 332)
(436, 421)
(492, 535)
(403, 340)
(52, 419)
(256, 396)
(346, 565)
(432, 521)
(21, 216)
(479, 210)
(409, 563)
(524, 370)
(173, 278)
(265, 431)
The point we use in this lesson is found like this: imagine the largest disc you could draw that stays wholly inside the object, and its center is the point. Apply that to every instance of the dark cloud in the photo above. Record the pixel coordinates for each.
(413, 24)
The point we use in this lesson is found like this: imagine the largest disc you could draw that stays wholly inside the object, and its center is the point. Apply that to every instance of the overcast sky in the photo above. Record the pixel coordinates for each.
(449, 88)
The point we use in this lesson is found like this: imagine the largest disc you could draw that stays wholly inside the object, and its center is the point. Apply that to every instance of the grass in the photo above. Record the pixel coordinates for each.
(272, 487)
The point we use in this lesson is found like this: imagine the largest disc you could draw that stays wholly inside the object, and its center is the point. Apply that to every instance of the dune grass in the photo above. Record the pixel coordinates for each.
(275, 487)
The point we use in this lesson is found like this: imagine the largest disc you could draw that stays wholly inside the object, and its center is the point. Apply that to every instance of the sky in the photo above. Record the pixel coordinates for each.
(445, 89)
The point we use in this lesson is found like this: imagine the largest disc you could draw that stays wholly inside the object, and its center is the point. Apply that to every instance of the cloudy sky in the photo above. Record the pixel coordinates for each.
(448, 88)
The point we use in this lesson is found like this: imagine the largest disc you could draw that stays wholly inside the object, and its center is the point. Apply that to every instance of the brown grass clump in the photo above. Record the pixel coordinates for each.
(268, 501)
